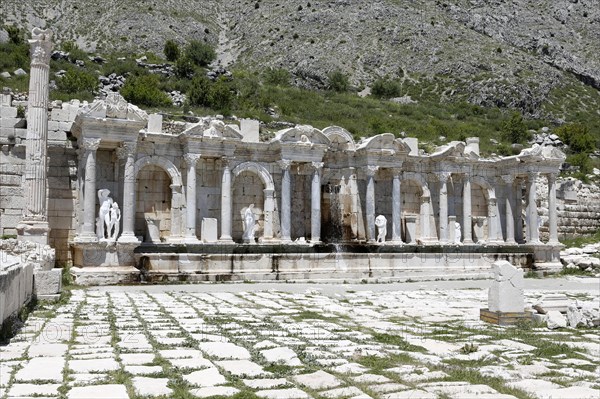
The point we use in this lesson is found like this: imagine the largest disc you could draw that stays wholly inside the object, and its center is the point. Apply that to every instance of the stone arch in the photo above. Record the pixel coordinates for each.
(339, 138)
(177, 202)
(164, 163)
(269, 192)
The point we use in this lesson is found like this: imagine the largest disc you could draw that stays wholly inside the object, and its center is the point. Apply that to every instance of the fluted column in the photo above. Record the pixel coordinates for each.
(286, 200)
(127, 152)
(370, 202)
(519, 211)
(425, 219)
(34, 222)
(443, 180)
(533, 236)
(315, 203)
(88, 232)
(467, 219)
(492, 204)
(509, 198)
(226, 203)
(552, 211)
(396, 206)
(190, 232)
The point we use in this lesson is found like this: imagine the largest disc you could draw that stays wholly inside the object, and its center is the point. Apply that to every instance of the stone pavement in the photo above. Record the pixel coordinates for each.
(296, 341)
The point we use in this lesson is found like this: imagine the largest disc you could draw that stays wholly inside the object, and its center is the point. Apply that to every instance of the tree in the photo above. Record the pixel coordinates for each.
(514, 129)
(15, 36)
(200, 53)
(386, 88)
(171, 50)
(276, 77)
(338, 81)
(577, 137)
(184, 67)
(76, 81)
(144, 90)
(198, 94)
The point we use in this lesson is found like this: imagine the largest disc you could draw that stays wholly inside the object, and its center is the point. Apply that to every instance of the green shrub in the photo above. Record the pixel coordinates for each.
(15, 36)
(76, 80)
(582, 160)
(514, 130)
(276, 77)
(184, 67)
(577, 137)
(200, 53)
(338, 81)
(386, 88)
(144, 90)
(198, 94)
(171, 50)
(220, 96)
(75, 53)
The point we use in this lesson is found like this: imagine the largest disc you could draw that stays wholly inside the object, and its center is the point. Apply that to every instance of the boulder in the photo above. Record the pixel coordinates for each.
(20, 72)
(556, 320)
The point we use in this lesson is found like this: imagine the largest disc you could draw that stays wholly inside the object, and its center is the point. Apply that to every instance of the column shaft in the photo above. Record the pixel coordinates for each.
(396, 208)
(467, 220)
(226, 204)
(552, 211)
(370, 208)
(519, 212)
(315, 207)
(191, 203)
(88, 232)
(286, 201)
(510, 220)
(129, 179)
(443, 179)
(534, 236)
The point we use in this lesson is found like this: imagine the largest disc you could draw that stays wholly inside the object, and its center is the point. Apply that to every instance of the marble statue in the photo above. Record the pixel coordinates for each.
(457, 234)
(105, 206)
(114, 221)
(249, 224)
(381, 224)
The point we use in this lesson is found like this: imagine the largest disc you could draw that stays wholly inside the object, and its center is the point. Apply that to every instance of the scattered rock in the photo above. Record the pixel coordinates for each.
(556, 320)
(20, 72)
(5, 75)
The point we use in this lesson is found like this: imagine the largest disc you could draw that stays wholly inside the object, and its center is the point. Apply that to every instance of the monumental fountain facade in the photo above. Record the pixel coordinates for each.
(125, 196)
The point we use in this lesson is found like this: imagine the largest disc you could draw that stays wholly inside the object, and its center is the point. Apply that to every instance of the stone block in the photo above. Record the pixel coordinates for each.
(66, 126)
(250, 129)
(20, 132)
(59, 115)
(209, 230)
(5, 100)
(57, 135)
(10, 122)
(413, 143)
(47, 282)
(506, 292)
(53, 125)
(155, 123)
(8, 112)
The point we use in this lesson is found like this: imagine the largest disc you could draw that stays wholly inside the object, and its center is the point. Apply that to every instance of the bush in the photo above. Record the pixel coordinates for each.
(577, 137)
(338, 81)
(75, 53)
(514, 129)
(200, 53)
(15, 36)
(220, 96)
(198, 93)
(171, 50)
(144, 90)
(386, 88)
(75, 81)
(184, 67)
(583, 161)
(276, 77)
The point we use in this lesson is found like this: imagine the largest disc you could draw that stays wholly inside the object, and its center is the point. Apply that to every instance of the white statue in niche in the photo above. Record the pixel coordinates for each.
(114, 222)
(457, 233)
(249, 224)
(381, 224)
(105, 206)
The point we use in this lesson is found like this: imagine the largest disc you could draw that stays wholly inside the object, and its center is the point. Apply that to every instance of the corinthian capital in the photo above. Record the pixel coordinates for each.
(317, 166)
(370, 170)
(442, 177)
(508, 179)
(191, 159)
(90, 144)
(126, 149)
(284, 164)
(41, 46)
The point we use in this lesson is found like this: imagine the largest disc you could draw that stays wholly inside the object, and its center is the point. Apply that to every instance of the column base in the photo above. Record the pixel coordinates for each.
(226, 240)
(128, 239)
(191, 240)
(86, 238)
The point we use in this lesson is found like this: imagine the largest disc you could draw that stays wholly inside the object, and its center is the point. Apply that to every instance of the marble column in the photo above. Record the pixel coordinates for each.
(467, 211)
(226, 203)
(127, 152)
(191, 206)
(286, 200)
(533, 236)
(519, 211)
(425, 219)
(443, 180)
(509, 198)
(315, 200)
(88, 231)
(396, 206)
(492, 205)
(370, 170)
(34, 223)
(552, 211)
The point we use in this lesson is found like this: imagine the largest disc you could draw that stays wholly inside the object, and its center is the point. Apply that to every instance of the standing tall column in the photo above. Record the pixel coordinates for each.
(190, 232)
(467, 220)
(88, 232)
(226, 203)
(34, 223)
(315, 203)
(370, 202)
(443, 180)
(519, 211)
(396, 206)
(127, 151)
(552, 212)
(533, 236)
(510, 220)
(286, 200)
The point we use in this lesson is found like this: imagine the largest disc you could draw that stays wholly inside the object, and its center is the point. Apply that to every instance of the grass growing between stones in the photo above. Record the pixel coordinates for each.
(457, 373)
(396, 340)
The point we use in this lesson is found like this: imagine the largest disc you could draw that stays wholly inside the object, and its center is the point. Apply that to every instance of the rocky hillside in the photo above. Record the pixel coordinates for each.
(540, 57)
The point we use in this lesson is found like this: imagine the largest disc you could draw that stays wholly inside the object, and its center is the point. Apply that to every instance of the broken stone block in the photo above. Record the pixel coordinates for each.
(575, 316)
(155, 123)
(47, 282)
(558, 302)
(209, 230)
(506, 292)
(556, 320)
(250, 130)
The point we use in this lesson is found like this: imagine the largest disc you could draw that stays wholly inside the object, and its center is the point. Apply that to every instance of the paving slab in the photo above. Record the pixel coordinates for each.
(109, 391)
(243, 368)
(93, 365)
(291, 393)
(205, 378)
(151, 386)
(42, 369)
(207, 392)
(224, 350)
(265, 383)
(281, 355)
(318, 380)
(34, 390)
